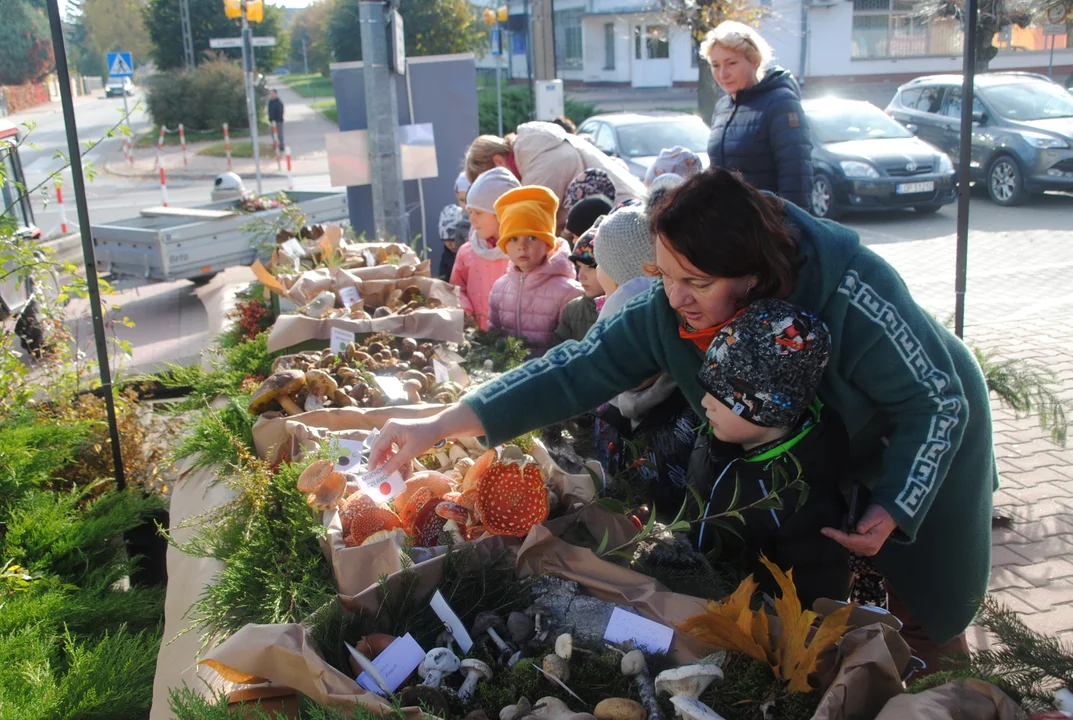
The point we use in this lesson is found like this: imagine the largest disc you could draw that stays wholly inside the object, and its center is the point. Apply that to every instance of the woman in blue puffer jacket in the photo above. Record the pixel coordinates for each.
(758, 127)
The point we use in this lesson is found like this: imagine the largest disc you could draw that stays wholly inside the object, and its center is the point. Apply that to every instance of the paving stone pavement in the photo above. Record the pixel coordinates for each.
(1019, 291)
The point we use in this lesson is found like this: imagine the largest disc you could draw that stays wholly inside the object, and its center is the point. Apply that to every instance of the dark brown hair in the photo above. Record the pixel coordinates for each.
(729, 229)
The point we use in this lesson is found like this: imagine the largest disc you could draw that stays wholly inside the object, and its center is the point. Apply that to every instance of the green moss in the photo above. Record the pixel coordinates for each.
(748, 684)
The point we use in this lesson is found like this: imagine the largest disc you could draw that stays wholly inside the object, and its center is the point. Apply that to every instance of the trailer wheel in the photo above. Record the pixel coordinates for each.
(28, 328)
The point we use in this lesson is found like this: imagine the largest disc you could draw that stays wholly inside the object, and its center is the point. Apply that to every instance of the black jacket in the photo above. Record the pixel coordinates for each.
(789, 537)
(275, 110)
(763, 134)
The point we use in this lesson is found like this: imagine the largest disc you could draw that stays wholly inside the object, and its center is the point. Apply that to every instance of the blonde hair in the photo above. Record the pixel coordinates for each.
(740, 38)
(481, 153)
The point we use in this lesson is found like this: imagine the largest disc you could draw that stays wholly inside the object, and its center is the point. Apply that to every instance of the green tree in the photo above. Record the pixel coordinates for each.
(112, 25)
(700, 16)
(207, 21)
(432, 27)
(311, 25)
(993, 16)
(25, 43)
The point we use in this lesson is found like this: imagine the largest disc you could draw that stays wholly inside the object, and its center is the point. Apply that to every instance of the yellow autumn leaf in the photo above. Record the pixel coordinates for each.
(729, 624)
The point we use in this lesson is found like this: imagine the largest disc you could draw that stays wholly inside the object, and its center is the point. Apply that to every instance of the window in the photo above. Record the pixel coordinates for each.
(895, 28)
(609, 46)
(569, 49)
(952, 108)
(653, 41)
(604, 140)
(694, 57)
(929, 101)
(517, 43)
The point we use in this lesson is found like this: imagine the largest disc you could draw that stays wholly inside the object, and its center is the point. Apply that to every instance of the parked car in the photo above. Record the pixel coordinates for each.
(119, 87)
(864, 160)
(638, 138)
(1022, 141)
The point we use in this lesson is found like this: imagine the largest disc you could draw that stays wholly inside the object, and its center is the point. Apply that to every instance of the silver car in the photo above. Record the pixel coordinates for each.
(638, 138)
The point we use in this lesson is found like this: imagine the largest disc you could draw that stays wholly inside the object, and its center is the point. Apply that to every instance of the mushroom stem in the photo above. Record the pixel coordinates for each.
(288, 404)
(647, 693)
(497, 640)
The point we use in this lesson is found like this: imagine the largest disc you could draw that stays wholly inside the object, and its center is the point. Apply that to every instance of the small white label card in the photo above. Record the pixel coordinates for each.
(452, 621)
(349, 458)
(381, 487)
(349, 296)
(392, 387)
(396, 663)
(440, 370)
(293, 249)
(646, 635)
(339, 339)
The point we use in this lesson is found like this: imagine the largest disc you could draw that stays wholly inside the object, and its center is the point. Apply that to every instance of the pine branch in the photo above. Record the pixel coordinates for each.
(1027, 389)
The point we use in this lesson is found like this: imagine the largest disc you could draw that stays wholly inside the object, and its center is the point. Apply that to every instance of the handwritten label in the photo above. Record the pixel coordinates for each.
(452, 621)
(339, 339)
(392, 387)
(396, 663)
(381, 487)
(293, 249)
(440, 371)
(349, 458)
(646, 635)
(349, 296)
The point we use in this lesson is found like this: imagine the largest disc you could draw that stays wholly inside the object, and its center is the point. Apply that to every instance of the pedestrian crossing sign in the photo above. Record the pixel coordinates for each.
(120, 64)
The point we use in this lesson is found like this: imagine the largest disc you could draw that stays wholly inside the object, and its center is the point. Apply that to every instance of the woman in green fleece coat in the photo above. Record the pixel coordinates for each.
(911, 395)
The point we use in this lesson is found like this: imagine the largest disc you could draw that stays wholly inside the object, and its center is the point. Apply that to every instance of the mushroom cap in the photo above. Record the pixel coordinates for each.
(555, 665)
(693, 709)
(619, 709)
(633, 663)
(469, 481)
(426, 527)
(418, 695)
(486, 619)
(441, 659)
(320, 383)
(548, 707)
(354, 505)
(315, 475)
(437, 483)
(564, 646)
(371, 521)
(452, 511)
(328, 494)
(477, 666)
(276, 384)
(398, 535)
(373, 644)
(688, 680)
(520, 626)
(511, 498)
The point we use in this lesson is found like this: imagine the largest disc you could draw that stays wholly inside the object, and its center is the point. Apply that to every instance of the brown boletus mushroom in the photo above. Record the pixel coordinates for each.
(320, 386)
(278, 387)
(413, 390)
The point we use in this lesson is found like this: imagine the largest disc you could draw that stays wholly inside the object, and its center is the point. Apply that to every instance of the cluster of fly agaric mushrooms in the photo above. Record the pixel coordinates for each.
(522, 636)
(315, 380)
(502, 493)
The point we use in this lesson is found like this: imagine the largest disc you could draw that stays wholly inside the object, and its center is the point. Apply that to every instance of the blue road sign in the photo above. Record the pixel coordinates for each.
(120, 64)
(497, 42)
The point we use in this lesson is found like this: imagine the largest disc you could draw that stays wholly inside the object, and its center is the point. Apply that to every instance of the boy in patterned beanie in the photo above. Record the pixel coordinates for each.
(580, 314)
(771, 434)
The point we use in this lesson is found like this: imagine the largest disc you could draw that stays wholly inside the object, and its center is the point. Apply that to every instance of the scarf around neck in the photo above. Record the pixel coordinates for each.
(703, 338)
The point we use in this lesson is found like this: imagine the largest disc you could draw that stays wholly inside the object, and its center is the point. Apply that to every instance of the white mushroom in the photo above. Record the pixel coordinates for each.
(689, 708)
(514, 712)
(633, 665)
(564, 646)
(688, 680)
(475, 671)
(439, 662)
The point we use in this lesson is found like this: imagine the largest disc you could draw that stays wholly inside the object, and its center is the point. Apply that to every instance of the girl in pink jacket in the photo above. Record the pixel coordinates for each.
(480, 262)
(528, 300)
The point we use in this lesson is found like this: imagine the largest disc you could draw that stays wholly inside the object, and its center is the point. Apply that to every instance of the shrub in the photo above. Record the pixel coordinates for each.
(518, 106)
(203, 98)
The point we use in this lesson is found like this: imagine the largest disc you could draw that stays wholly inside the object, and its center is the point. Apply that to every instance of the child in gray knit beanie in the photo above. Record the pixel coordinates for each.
(622, 248)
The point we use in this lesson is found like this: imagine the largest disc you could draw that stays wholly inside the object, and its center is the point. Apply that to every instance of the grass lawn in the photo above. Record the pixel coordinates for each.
(171, 139)
(327, 108)
(240, 149)
(313, 85)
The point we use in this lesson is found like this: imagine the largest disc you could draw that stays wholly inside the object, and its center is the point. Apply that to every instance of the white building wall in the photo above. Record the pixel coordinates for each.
(682, 55)
(595, 49)
(830, 40)
(783, 28)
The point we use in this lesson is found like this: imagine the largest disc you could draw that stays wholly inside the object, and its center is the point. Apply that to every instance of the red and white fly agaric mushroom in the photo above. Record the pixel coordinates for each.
(325, 486)
(511, 498)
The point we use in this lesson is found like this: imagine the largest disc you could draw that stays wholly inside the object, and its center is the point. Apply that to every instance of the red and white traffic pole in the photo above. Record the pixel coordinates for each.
(290, 177)
(59, 202)
(164, 187)
(275, 144)
(182, 141)
(227, 145)
(160, 146)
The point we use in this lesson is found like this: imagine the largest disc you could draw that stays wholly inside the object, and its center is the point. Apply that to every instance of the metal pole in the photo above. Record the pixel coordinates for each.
(1050, 62)
(188, 38)
(382, 113)
(79, 184)
(305, 56)
(529, 54)
(499, 84)
(964, 165)
(251, 98)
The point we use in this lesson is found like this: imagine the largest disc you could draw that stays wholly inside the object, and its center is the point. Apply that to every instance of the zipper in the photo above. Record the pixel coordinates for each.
(763, 488)
(723, 139)
(518, 308)
(708, 506)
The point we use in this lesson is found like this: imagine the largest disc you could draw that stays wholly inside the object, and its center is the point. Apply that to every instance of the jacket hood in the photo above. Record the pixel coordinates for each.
(541, 136)
(775, 78)
(825, 252)
(558, 263)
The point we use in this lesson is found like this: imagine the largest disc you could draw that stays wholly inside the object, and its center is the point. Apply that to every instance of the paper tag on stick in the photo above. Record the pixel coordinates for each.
(396, 663)
(339, 339)
(647, 635)
(452, 621)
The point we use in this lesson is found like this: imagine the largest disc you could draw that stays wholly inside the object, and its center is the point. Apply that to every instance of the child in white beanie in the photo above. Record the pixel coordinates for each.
(479, 262)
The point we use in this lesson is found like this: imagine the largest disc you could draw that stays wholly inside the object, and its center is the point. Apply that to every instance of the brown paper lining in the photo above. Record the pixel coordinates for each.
(440, 325)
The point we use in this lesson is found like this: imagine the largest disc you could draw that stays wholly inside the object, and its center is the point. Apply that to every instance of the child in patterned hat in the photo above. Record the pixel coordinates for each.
(770, 432)
(580, 314)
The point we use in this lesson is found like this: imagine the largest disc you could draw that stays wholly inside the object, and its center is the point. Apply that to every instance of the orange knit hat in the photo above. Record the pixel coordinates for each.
(528, 210)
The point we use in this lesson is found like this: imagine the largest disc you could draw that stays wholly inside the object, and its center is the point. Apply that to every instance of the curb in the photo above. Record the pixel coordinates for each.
(181, 174)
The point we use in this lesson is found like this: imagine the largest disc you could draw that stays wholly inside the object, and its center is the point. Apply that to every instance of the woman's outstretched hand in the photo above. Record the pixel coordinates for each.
(872, 531)
(400, 441)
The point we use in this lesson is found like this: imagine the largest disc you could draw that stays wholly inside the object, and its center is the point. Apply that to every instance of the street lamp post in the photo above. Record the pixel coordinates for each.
(251, 98)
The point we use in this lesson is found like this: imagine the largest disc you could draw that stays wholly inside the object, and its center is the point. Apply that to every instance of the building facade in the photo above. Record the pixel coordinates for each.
(631, 43)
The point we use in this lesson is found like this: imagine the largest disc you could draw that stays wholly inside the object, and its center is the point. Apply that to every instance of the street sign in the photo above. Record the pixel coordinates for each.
(1056, 14)
(120, 64)
(497, 42)
(1054, 29)
(221, 43)
(398, 44)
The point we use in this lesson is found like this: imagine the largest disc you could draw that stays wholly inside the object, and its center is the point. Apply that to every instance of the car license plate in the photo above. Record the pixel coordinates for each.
(910, 188)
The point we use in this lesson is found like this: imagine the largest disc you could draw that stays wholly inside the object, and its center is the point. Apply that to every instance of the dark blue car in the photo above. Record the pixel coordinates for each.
(863, 160)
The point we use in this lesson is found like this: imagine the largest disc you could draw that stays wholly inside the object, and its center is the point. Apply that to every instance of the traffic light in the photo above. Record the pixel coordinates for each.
(255, 10)
(502, 14)
(489, 16)
(233, 9)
